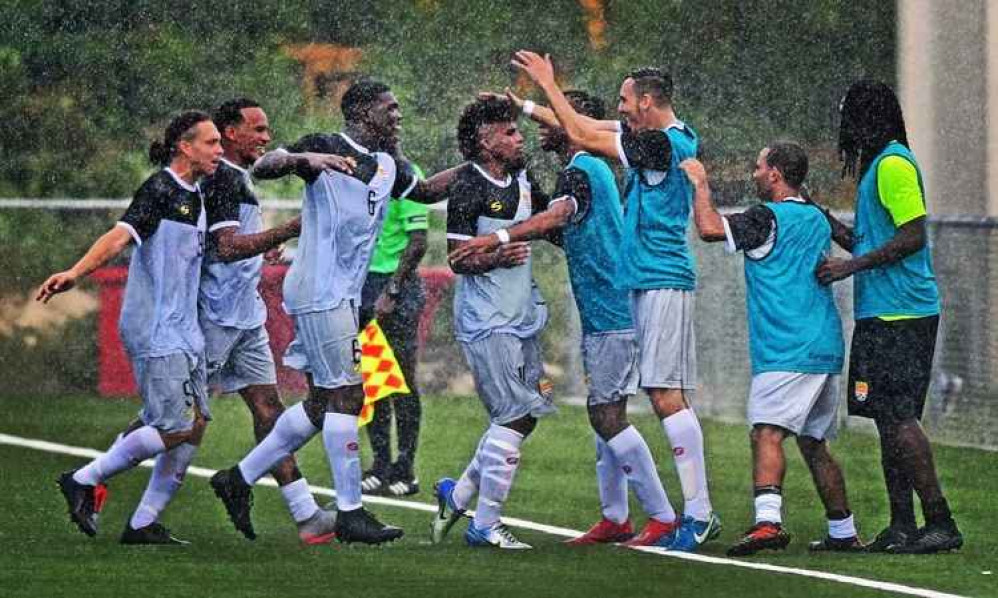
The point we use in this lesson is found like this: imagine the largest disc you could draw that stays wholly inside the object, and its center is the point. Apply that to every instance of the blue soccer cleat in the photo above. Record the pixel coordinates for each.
(692, 533)
(495, 536)
(447, 512)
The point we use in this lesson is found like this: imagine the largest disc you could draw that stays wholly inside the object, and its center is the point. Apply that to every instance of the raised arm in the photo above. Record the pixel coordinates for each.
(546, 116)
(585, 133)
(307, 165)
(709, 222)
(434, 189)
(105, 249)
(232, 246)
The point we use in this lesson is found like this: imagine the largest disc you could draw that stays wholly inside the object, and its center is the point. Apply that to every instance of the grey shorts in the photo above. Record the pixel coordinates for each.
(237, 358)
(171, 387)
(611, 363)
(663, 321)
(805, 404)
(326, 347)
(507, 372)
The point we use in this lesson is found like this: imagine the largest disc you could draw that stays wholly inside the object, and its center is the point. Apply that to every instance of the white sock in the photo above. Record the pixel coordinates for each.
(124, 454)
(166, 478)
(842, 528)
(299, 499)
(342, 441)
(686, 438)
(612, 483)
(500, 457)
(467, 485)
(291, 431)
(635, 461)
(769, 507)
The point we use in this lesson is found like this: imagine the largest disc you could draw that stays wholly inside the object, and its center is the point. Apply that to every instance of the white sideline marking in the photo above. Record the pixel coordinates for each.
(52, 447)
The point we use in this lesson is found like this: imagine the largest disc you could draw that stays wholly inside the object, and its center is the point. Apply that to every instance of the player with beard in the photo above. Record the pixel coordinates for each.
(586, 210)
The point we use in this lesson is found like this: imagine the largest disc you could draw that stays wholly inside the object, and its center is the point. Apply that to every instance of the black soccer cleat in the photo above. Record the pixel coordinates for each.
(237, 496)
(889, 538)
(81, 501)
(154, 534)
(933, 538)
(830, 544)
(764, 535)
(359, 525)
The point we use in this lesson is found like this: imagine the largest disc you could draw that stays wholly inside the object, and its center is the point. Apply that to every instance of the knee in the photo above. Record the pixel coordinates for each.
(267, 410)
(765, 435)
(812, 449)
(607, 420)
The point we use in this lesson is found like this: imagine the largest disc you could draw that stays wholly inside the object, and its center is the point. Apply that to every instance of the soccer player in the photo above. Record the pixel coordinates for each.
(159, 327)
(896, 307)
(586, 209)
(650, 143)
(795, 341)
(394, 294)
(349, 178)
(231, 311)
(498, 314)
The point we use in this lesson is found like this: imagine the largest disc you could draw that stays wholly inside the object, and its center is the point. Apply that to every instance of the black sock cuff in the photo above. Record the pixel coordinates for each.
(760, 490)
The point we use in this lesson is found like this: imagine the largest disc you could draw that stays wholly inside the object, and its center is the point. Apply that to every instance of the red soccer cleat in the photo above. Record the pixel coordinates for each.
(604, 532)
(655, 533)
(764, 535)
(100, 497)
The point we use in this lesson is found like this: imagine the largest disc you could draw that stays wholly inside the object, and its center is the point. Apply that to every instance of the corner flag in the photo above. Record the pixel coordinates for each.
(379, 370)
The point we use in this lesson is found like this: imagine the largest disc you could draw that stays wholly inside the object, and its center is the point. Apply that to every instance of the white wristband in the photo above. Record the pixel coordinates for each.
(503, 235)
(528, 107)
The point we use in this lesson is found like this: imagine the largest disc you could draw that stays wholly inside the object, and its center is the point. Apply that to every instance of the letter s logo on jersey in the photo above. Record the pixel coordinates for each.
(496, 205)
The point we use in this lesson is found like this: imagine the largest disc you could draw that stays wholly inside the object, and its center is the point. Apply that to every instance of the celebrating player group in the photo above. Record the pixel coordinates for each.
(193, 322)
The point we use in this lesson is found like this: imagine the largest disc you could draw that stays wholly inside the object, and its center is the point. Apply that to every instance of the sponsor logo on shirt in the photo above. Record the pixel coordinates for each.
(496, 205)
(185, 209)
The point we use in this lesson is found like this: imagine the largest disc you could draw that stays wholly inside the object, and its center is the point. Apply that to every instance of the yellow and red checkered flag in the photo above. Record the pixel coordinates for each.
(379, 370)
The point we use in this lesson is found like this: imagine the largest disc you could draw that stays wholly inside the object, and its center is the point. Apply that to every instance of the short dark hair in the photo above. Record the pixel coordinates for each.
(586, 104)
(871, 118)
(653, 81)
(359, 98)
(180, 128)
(790, 159)
(230, 113)
(483, 111)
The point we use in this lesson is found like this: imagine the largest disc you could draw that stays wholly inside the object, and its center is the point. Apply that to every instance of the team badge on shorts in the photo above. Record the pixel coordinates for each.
(861, 392)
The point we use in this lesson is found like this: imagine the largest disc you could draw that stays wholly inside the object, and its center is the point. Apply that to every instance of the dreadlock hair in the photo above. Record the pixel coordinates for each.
(790, 159)
(586, 104)
(483, 111)
(653, 81)
(359, 97)
(181, 128)
(230, 113)
(870, 119)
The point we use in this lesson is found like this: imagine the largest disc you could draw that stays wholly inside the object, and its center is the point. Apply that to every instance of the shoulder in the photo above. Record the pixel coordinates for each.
(321, 143)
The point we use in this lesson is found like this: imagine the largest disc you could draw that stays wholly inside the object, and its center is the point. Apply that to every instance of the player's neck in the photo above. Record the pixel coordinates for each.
(782, 193)
(361, 136)
(660, 118)
(230, 155)
(495, 169)
(183, 169)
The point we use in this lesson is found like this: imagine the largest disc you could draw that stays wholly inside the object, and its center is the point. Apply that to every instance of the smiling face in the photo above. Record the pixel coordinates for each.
(631, 106)
(384, 120)
(503, 142)
(203, 150)
(765, 176)
(247, 140)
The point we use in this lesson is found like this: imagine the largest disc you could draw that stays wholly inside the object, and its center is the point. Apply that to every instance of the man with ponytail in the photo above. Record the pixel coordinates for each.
(159, 327)
(896, 305)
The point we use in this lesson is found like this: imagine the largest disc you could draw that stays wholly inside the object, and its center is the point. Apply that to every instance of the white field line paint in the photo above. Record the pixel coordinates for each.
(52, 447)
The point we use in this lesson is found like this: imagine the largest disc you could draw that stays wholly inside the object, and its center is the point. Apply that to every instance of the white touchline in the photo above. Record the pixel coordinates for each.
(53, 447)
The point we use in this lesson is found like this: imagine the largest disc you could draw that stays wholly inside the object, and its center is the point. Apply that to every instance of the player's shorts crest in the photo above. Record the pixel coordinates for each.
(678, 451)
(861, 392)
(353, 446)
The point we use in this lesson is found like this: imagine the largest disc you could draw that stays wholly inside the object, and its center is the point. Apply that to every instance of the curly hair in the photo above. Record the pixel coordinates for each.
(481, 112)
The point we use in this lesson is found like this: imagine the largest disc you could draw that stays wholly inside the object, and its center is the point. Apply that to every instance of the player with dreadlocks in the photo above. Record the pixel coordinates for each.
(896, 305)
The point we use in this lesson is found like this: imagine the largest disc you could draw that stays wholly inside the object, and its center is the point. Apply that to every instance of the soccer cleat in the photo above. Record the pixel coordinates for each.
(932, 538)
(496, 536)
(692, 533)
(830, 544)
(373, 481)
(655, 533)
(604, 532)
(888, 538)
(153, 534)
(237, 496)
(447, 512)
(84, 502)
(761, 536)
(360, 526)
(320, 528)
(404, 487)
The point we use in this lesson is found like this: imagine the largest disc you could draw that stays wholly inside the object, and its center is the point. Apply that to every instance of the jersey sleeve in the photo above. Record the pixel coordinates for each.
(143, 215)
(649, 150)
(221, 201)
(900, 193)
(464, 206)
(405, 179)
(573, 185)
(750, 229)
(539, 199)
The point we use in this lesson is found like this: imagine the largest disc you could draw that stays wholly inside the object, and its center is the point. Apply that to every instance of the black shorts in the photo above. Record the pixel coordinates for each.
(890, 367)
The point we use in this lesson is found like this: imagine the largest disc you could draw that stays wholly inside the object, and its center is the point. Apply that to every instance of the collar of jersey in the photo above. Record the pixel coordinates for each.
(794, 199)
(360, 148)
(577, 154)
(236, 166)
(181, 181)
(494, 181)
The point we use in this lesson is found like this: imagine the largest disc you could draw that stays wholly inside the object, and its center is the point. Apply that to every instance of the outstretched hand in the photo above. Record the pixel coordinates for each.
(537, 67)
(508, 95)
(475, 246)
(316, 163)
(695, 171)
(57, 283)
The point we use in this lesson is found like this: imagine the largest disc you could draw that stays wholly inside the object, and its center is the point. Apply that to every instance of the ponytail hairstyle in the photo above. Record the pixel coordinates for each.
(180, 129)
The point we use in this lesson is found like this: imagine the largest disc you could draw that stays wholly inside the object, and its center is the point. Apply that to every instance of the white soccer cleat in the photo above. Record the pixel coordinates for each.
(497, 536)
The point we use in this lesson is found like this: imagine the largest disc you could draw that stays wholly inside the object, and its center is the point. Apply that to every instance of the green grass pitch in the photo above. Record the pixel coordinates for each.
(42, 554)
